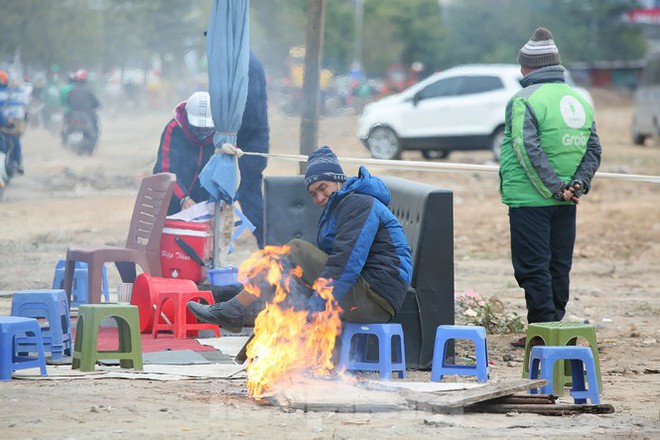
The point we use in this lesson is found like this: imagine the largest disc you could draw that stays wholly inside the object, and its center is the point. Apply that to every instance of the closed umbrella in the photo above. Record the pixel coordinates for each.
(227, 50)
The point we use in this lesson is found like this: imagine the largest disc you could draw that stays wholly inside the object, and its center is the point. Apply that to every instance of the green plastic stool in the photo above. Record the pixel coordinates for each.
(90, 317)
(562, 334)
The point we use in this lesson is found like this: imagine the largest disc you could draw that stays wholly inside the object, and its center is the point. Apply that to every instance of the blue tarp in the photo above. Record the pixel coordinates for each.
(228, 53)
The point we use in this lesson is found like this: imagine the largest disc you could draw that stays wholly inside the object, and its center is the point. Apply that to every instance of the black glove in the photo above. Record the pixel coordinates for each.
(577, 186)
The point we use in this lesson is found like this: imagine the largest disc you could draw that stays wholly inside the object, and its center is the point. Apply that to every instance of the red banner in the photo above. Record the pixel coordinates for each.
(644, 16)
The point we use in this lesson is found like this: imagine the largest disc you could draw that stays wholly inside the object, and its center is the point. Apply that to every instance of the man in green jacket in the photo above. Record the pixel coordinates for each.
(550, 153)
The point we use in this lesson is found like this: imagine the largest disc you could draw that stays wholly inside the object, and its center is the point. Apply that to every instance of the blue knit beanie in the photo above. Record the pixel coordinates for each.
(323, 165)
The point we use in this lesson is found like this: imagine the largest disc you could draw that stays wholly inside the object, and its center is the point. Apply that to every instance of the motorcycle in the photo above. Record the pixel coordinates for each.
(80, 131)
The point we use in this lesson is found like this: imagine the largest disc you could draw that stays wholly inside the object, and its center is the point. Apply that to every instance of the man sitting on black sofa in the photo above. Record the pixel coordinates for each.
(361, 248)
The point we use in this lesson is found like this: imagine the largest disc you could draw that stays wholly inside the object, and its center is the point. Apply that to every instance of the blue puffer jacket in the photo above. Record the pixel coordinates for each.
(362, 237)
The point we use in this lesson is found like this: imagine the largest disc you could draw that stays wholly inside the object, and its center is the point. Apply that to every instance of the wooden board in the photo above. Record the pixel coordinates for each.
(310, 394)
(423, 387)
(447, 403)
(543, 409)
(537, 399)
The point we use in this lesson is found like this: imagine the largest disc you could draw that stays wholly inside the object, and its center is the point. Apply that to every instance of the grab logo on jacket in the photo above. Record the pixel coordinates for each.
(572, 112)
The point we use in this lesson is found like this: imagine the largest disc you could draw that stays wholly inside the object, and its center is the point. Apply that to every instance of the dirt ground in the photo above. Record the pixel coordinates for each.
(65, 199)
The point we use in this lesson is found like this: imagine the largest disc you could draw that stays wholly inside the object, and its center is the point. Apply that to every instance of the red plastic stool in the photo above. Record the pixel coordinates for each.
(184, 322)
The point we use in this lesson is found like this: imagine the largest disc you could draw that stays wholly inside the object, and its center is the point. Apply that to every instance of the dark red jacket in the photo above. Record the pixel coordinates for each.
(181, 153)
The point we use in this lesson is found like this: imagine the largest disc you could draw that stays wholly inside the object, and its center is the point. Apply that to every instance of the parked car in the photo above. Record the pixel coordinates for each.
(461, 108)
(646, 111)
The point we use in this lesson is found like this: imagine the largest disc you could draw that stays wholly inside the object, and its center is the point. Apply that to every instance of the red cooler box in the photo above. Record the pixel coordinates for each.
(175, 260)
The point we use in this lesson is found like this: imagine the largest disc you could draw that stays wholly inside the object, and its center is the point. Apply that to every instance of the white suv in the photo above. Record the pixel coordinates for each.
(461, 108)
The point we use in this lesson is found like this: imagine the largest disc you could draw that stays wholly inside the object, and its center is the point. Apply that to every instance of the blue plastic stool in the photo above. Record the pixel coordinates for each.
(45, 304)
(579, 356)
(354, 356)
(11, 329)
(476, 334)
(559, 334)
(79, 291)
(241, 225)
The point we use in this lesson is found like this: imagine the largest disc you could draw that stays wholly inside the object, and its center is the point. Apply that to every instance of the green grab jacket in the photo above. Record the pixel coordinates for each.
(549, 139)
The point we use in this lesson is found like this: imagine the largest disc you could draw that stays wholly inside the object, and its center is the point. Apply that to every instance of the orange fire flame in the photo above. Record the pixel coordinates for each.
(285, 338)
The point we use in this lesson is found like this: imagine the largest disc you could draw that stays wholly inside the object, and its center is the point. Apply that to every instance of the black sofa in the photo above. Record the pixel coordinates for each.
(426, 214)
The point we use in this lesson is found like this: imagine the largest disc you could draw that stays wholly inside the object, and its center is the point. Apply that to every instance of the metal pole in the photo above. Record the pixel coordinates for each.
(359, 24)
(217, 227)
(309, 124)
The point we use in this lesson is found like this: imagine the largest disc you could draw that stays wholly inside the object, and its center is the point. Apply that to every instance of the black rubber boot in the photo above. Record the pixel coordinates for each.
(227, 292)
(226, 315)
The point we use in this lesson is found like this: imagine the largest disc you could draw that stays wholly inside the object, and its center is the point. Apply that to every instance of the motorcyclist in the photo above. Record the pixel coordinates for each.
(81, 98)
(12, 122)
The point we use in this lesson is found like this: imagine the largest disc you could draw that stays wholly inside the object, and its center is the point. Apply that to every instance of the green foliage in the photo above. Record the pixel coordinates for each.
(47, 31)
(593, 30)
(486, 32)
(403, 33)
(394, 31)
(97, 33)
(275, 27)
(278, 25)
(488, 313)
(339, 36)
(101, 33)
(584, 30)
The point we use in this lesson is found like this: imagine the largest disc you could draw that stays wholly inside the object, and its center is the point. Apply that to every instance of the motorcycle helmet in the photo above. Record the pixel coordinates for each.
(81, 75)
(198, 108)
(4, 78)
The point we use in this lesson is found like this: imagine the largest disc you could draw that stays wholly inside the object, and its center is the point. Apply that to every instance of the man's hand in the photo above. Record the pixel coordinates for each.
(228, 148)
(577, 187)
(567, 193)
(186, 203)
(572, 197)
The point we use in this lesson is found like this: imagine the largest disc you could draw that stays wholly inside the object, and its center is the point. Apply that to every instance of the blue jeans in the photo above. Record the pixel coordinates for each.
(17, 155)
(542, 240)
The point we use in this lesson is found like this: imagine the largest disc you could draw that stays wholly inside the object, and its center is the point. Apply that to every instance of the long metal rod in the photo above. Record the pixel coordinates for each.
(435, 166)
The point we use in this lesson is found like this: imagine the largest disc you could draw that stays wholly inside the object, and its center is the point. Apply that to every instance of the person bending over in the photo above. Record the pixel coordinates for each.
(361, 248)
(186, 145)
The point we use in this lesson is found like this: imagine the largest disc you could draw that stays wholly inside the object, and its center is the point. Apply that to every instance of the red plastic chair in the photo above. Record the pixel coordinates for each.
(142, 245)
(183, 322)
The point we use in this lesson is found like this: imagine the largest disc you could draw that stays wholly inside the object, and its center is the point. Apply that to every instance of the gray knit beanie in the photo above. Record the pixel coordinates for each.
(540, 50)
